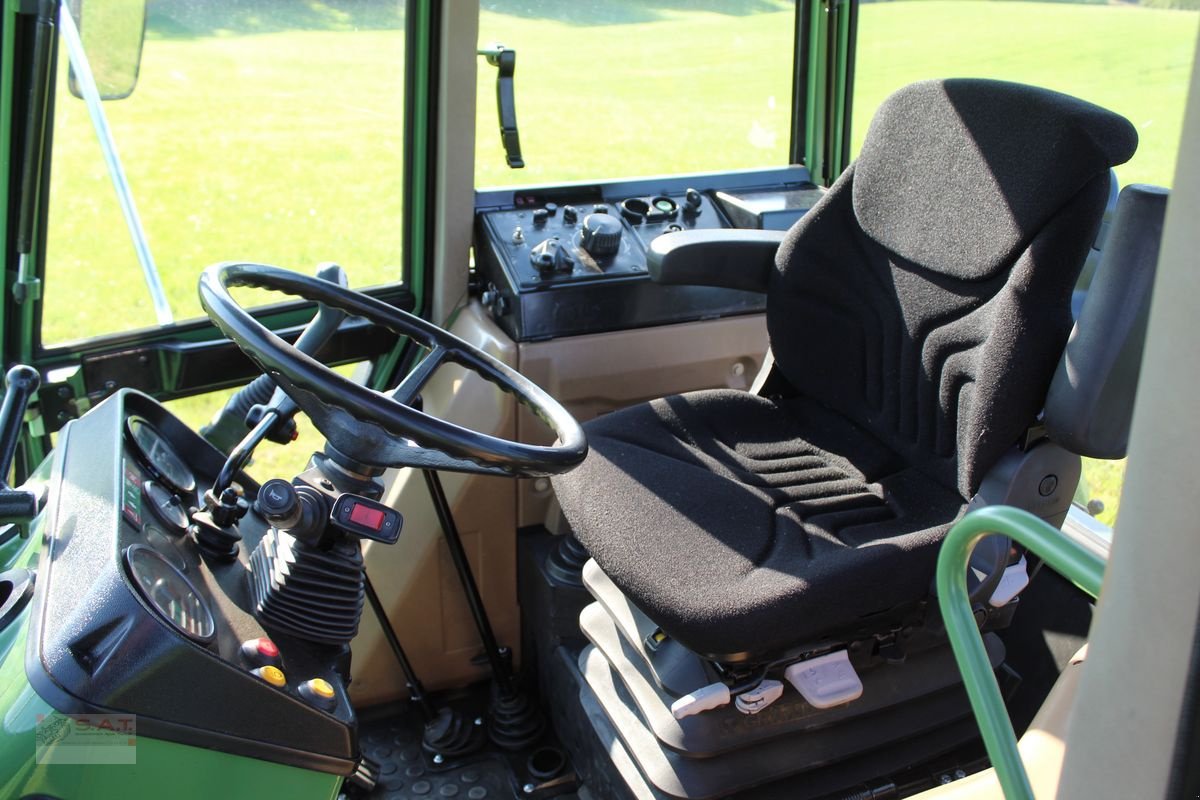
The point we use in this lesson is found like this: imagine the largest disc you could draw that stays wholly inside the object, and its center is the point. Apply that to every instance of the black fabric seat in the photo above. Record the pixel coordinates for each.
(916, 315)
(754, 511)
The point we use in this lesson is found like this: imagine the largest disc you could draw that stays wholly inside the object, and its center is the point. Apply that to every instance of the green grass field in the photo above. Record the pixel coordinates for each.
(272, 131)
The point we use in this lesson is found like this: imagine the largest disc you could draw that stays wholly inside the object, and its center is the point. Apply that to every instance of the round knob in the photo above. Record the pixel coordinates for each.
(601, 234)
(279, 503)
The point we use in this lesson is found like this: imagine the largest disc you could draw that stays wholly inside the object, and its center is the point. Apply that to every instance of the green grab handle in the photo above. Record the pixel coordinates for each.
(1082, 567)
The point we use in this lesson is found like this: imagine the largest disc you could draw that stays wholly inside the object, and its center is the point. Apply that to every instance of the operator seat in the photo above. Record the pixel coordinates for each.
(916, 316)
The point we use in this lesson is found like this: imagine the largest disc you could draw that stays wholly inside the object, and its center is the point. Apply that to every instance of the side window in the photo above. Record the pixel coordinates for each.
(1132, 58)
(606, 90)
(260, 135)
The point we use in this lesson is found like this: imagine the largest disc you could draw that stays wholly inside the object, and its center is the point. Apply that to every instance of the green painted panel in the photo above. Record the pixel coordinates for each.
(158, 768)
(8, 17)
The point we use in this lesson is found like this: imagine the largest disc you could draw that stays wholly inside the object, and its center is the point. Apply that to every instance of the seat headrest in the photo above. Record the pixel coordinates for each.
(924, 189)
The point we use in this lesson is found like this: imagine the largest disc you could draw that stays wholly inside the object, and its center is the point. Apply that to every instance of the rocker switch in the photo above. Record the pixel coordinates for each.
(367, 518)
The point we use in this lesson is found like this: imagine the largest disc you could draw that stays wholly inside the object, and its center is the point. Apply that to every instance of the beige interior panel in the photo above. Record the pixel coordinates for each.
(415, 578)
(1042, 748)
(454, 212)
(1123, 736)
(598, 373)
(591, 375)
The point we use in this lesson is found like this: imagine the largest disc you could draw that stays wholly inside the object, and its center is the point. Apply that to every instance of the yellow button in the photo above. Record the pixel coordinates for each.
(272, 675)
(321, 688)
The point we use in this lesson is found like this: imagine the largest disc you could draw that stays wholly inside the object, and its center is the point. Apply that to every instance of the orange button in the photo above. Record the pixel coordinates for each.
(272, 675)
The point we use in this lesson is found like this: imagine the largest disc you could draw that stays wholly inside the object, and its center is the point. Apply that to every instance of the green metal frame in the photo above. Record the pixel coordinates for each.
(829, 31)
(421, 34)
(8, 28)
(1082, 567)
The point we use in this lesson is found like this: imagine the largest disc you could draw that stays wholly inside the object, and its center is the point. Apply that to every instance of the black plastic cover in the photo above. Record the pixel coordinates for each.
(1090, 403)
(730, 258)
(96, 646)
(585, 293)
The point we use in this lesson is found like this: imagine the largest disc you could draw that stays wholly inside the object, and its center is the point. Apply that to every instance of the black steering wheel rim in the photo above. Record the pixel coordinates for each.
(381, 429)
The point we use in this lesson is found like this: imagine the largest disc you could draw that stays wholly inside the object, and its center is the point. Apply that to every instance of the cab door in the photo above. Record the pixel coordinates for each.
(219, 132)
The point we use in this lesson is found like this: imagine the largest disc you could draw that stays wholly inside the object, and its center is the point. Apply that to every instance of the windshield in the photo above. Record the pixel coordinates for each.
(621, 89)
(269, 134)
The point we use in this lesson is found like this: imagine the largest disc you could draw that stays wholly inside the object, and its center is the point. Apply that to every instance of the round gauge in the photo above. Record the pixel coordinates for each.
(157, 538)
(159, 456)
(171, 594)
(167, 506)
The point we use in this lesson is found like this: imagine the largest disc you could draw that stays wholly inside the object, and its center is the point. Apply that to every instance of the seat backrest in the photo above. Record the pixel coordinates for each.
(927, 296)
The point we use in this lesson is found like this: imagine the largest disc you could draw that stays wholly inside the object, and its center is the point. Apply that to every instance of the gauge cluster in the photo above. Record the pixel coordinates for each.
(163, 585)
(135, 619)
(156, 453)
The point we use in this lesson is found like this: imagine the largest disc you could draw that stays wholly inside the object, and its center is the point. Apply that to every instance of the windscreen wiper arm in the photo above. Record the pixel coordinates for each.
(91, 97)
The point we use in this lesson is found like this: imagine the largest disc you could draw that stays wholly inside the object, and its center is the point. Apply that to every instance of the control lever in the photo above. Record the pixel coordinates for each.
(17, 507)
(246, 408)
(213, 526)
(505, 60)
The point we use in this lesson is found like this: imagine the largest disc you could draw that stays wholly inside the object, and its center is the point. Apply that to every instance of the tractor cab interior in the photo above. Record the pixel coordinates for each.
(566, 485)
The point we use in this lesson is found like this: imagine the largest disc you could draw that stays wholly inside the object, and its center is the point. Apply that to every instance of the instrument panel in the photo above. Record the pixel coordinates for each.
(131, 617)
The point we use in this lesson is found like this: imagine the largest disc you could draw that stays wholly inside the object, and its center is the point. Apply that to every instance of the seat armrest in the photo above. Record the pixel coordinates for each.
(730, 257)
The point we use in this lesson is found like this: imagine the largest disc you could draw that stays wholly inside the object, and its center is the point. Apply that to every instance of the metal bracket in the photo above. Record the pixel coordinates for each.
(62, 397)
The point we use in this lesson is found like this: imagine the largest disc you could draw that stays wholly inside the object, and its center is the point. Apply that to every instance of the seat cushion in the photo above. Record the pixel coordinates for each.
(745, 526)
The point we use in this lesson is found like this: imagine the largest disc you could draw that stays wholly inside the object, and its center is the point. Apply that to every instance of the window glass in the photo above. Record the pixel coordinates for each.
(261, 132)
(1132, 58)
(270, 460)
(620, 89)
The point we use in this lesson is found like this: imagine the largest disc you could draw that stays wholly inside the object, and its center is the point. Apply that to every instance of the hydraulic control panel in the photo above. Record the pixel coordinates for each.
(572, 260)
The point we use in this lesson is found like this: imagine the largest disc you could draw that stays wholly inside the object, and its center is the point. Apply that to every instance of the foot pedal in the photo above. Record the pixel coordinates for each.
(759, 697)
(705, 698)
(826, 681)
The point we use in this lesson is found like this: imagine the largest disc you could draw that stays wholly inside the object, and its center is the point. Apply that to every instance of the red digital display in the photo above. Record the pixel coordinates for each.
(366, 516)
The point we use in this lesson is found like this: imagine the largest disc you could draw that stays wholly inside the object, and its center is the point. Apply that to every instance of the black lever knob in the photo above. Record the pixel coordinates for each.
(550, 256)
(601, 234)
(22, 382)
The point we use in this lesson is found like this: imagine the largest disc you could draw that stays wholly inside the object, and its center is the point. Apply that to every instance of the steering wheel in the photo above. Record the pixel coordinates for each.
(384, 430)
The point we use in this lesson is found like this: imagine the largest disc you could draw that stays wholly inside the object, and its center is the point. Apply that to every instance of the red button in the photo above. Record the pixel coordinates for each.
(267, 648)
(365, 515)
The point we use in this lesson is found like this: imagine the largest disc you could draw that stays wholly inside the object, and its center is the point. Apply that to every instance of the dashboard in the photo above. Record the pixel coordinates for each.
(130, 617)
